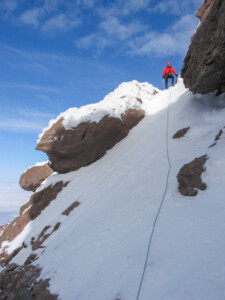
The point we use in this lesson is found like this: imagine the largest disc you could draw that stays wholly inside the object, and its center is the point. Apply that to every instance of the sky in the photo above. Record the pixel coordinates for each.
(57, 54)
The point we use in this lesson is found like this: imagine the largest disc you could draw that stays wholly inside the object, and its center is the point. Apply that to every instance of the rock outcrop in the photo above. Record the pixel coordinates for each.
(204, 9)
(70, 208)
(43, 236)
(31, 210)
(69, 150)
(23, 282)
(181, 133)
(32, 178)
(189, 177)
(204, 64)
(217, 138)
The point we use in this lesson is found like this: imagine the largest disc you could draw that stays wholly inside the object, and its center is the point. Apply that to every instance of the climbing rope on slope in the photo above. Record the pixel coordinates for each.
(161, 203)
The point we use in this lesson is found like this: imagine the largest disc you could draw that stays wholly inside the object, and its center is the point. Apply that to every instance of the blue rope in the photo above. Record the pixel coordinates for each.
(163, 198)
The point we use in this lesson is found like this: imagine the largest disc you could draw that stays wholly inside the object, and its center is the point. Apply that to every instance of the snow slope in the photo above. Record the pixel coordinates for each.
(100, 248)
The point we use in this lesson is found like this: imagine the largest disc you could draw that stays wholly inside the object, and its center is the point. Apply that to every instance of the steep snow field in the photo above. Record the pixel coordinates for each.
(99, 250)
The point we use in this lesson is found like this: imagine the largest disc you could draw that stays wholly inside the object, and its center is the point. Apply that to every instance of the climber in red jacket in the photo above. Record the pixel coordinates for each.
(168, 73)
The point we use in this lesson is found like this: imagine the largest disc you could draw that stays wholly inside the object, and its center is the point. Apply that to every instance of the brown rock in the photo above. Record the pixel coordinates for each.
(12, 255)
(5, 258)
(204, 9)
(218, 135)
(204, 64)
(189, 177)
(56, 227)
(14, 228)
(31, 258)
(69, 150)
(2, 228)
(11, 267)
(132, 117)
(3, 255)
(24, 283)
(40, 200)
(214, 144)
(24, 245)
(216, 138)
(33, 177)
(180, 133)
(41, 238)
(36, 244)
(70, 208)
(139, 100)
(31, 210)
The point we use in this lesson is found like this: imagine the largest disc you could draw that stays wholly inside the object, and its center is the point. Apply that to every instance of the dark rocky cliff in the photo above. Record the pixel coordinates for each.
(204, 64)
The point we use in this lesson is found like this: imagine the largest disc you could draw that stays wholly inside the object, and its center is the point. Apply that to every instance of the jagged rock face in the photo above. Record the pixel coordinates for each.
(69, 150)
(204, 64)
(33, 177)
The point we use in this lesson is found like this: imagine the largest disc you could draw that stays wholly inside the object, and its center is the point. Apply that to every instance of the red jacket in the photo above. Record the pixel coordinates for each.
(169, 70)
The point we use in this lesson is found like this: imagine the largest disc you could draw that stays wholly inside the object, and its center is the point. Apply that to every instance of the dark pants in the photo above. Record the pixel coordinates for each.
(166, 80)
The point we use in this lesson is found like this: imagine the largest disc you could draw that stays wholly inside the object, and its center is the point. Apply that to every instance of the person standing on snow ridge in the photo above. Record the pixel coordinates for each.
(168, 73)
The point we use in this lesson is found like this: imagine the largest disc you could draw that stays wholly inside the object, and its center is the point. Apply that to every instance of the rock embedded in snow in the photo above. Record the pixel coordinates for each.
(43, 236)
(32, 178)
(23, 282)
(11, 267)
(181, 133)
(31, 258)
(218, 135)
(31, 210)
(6, 258)
(70, 208)
(189, 177)
(217, 138)
(204, 64)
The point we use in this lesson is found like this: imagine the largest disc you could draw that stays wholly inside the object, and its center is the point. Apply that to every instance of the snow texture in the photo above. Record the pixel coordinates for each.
(100, 248)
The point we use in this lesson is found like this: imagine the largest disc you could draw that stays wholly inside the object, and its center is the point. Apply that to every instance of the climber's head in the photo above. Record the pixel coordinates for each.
(168, 64)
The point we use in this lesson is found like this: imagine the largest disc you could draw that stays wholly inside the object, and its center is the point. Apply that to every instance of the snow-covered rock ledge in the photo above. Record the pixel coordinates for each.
(80, 136)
